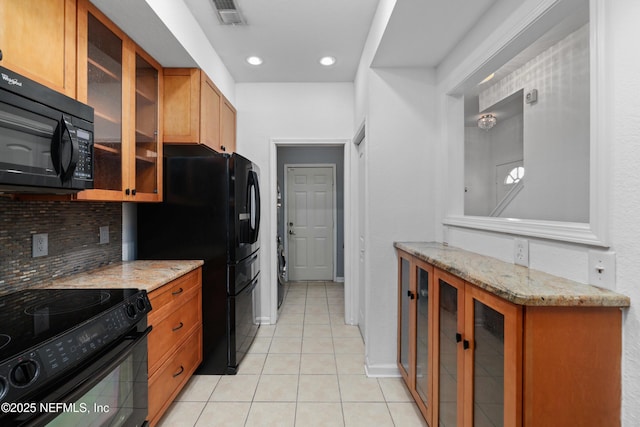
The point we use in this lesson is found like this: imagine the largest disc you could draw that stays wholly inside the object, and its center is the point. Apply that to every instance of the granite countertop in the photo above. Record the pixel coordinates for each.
(147, 275)
(520, 285)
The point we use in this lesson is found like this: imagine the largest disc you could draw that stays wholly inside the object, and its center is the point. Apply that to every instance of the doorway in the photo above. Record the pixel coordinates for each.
(313, 152)
(310, 218)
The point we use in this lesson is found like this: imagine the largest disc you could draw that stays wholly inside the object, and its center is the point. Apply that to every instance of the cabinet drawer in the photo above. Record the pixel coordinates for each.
(167, 382)
(168, 298)
(172, 330)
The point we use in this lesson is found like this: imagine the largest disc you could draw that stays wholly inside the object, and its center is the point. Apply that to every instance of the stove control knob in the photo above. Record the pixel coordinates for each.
(131, 310)
(141, 304)
(24, 373)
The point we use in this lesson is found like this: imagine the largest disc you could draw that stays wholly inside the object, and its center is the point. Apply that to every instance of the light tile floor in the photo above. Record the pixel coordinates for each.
(308, 370)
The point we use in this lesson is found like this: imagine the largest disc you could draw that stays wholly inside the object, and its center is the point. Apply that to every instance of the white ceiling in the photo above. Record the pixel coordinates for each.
(142, 24)
(421, 33)
(291, 36)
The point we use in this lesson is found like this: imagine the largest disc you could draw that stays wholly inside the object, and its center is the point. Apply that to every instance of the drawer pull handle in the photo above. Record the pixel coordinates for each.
(178, 327)
(177, 374)
(179, 291)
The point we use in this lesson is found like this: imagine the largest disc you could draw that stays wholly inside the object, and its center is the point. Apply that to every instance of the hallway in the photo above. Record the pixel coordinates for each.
(308, 370)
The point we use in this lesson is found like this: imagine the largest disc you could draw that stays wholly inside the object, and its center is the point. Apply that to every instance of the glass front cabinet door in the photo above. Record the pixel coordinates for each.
(414, 330)
(123, 85)
(478, 356)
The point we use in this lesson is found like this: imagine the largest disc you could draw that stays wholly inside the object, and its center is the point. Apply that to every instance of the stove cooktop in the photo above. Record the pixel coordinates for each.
(33, 316)
(47, 335)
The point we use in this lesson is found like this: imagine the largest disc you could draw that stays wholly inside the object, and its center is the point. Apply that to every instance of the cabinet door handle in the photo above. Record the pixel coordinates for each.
(178, 292)
(465, 344)
(223, 148)
(177, 328)
(133, 192)
(410, 294)
(458, 337)
(127, 191)
(179, 372)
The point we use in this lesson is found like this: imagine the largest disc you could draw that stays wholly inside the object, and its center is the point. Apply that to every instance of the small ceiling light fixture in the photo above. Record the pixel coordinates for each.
(255, 60)
(327, 61)
(487, 121)
(486, 79)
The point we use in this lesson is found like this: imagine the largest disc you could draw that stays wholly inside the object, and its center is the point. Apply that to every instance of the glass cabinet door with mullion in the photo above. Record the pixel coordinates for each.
(423, 366)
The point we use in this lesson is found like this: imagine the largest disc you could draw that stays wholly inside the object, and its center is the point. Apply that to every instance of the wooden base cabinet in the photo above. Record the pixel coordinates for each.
(491, 362)
(175, 343)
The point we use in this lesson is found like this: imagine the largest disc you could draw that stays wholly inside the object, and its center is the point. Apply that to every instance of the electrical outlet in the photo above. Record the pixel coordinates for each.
(40, 245)
(521, 252)
(104, 235)
(602, 268)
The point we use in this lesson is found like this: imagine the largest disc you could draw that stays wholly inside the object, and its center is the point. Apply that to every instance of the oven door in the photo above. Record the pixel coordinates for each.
(112, 391)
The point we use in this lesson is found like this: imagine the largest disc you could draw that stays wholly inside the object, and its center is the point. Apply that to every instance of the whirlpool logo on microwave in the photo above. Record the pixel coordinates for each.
(11, 81)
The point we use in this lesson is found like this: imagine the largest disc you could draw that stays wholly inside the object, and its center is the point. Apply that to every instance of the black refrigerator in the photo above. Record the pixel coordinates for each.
(211, 211)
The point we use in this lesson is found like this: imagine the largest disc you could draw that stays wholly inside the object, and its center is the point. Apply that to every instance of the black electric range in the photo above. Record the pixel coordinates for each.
(48, 334)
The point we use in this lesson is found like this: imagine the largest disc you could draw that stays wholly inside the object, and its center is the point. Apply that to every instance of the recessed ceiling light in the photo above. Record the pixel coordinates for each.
(327, 61)
(254, 60)
(486, 79)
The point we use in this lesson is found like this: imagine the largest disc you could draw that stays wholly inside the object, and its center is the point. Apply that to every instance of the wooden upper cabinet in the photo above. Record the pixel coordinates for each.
(124, 85)
(38, 40)
(227, 127)
(210, 114)
(195, 112)
(181, 105)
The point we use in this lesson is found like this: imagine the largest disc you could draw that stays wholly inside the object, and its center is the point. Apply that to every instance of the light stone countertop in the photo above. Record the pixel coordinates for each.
(514, 283)
(147, 275)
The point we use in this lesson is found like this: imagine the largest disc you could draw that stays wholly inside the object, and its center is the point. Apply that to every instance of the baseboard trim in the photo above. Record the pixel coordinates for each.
(264, 321)
(339, 280)
(381, 370)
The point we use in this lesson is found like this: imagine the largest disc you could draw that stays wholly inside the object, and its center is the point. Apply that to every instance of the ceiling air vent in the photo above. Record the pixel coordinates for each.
(228, 13)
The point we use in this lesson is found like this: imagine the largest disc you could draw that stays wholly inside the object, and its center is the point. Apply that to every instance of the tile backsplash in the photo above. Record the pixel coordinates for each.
(73, 230)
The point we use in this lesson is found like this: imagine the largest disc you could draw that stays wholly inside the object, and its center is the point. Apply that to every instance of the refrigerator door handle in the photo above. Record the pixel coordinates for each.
(254, 206)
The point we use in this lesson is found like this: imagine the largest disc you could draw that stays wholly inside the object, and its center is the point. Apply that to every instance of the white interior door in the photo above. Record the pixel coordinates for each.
(309, 224)
(362, 190)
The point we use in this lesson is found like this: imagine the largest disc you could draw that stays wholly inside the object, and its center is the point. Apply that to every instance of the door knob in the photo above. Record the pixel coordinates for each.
(291, 232)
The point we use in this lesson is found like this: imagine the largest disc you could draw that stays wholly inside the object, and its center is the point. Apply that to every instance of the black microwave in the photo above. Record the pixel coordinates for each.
(46, 139)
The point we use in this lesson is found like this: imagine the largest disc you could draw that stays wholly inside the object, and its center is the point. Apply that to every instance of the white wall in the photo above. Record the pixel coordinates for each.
(621, 134)
(623, 33)
(286, 111)
(483, 151)
(400, 140)
(378, 25)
